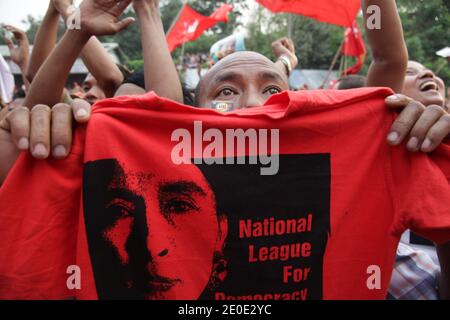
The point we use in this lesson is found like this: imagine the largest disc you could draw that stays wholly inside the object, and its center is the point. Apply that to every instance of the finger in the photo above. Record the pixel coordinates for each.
(81, 110)
(61, 138)
(9, 43)
(437, 134)
(405, 122)
(122, 5)
(9, 27)
(429, 117)
(16, 31)
(19, 125)
(291, 45)
(40, 131)
(123, 24)
(397, 101)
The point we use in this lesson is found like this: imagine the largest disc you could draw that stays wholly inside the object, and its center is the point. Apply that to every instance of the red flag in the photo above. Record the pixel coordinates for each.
(339, 12)
(354, 46)
(191, 24)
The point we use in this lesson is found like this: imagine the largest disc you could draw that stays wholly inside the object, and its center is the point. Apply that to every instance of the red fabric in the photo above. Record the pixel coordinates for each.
(442, 157)
(339, 12)
(357, 210)
(191, 25)
(354, 46)
(356, 67)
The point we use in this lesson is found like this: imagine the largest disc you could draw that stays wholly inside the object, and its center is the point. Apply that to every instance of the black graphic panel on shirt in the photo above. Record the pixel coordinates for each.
(278, 227)
(207, 232)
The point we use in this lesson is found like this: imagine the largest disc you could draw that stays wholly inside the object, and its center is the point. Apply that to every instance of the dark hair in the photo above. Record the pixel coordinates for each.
(188, 96)
(197, 94)
(137, 78)
(124, 70)
(351, 82)
(19, 94)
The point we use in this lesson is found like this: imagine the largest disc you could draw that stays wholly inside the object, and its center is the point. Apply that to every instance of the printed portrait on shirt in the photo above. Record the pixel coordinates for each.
(151, 236)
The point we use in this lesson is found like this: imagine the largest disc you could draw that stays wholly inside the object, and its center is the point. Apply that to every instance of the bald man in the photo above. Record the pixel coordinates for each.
(242, 79)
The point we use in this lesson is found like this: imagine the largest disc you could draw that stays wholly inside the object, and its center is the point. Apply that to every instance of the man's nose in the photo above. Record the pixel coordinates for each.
(427, 73)
(90, 97)
(253, 100)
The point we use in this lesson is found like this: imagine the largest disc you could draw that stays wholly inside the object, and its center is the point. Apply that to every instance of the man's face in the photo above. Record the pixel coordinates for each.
(92, 91)
(164, 232)
(422, 85)
(243, 79)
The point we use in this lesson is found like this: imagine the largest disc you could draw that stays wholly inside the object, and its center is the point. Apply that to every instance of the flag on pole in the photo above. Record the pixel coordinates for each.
(191, 24)
(354, 46)
(338, 12)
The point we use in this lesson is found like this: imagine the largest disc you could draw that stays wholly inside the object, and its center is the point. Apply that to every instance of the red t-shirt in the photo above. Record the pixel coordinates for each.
(299, 199)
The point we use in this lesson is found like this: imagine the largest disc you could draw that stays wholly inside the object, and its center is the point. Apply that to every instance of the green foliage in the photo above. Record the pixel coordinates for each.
(129, 40)
(136, 65)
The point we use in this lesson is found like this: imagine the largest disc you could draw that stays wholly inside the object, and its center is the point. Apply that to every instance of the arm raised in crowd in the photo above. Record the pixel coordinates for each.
(95, 57)
(23, 129)
(284, 51)
(160, 72)
(20, 54)
(389, 53)
(98, 17)
(44, 41)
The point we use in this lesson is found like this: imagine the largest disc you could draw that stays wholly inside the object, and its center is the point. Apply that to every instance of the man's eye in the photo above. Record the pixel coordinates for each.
(411, 72)
(227, 92)
(179, 206)
(273, 90)
(120, 208)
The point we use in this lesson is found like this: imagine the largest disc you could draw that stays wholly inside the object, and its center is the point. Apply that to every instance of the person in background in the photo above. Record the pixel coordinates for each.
(351, 82)
(19, 53)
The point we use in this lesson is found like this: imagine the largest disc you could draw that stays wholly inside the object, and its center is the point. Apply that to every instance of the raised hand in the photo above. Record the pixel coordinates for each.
(20, 54)
(285, 47)
(62, 5)
(101, 17)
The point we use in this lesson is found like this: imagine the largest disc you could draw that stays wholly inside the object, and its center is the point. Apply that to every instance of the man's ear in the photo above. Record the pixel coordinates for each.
(223, 232)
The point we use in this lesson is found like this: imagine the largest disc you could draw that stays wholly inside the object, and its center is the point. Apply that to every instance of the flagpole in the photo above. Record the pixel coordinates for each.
(182, 55)
(333, 63)
(171, 27)
(290, 25)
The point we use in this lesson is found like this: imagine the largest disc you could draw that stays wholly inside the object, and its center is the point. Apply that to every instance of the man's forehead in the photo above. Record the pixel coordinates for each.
(415, 65)
(235, 63)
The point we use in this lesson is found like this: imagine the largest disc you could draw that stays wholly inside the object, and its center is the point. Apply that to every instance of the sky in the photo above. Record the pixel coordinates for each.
(14, 11)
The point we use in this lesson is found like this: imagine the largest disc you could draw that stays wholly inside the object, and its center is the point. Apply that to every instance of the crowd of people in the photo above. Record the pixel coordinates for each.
(41, 117)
